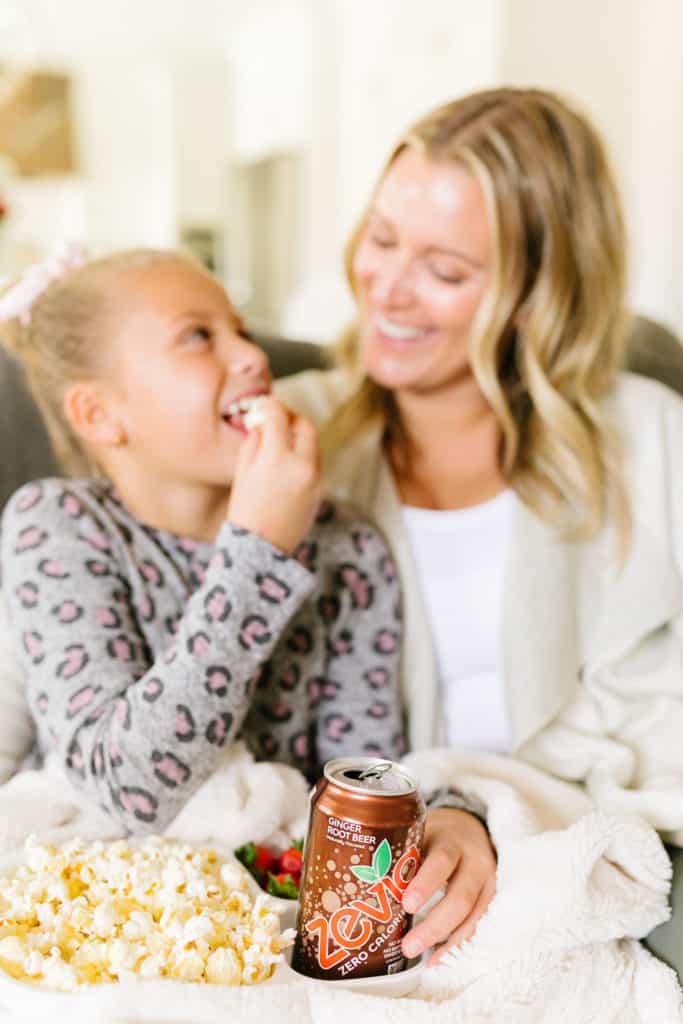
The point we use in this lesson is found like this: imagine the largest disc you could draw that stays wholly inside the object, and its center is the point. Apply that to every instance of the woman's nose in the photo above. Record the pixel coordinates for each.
(392, 286)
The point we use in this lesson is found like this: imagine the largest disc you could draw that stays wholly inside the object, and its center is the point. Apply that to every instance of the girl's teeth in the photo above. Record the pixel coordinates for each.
(401, 332)
(253, 417)
(243, 405)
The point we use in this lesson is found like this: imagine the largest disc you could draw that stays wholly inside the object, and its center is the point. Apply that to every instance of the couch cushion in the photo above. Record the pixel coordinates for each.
(25, 451)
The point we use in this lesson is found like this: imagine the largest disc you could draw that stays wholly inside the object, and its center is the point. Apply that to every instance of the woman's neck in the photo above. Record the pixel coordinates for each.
(185, 509)
(447, 453)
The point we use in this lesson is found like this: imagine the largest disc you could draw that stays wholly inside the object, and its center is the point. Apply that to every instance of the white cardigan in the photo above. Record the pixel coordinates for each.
(593, 656)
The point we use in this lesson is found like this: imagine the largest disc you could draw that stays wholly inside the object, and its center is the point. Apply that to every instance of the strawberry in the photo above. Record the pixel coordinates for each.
(258, 860)
(280, 876)
(283, 885)
(290, 861)
(264, 860)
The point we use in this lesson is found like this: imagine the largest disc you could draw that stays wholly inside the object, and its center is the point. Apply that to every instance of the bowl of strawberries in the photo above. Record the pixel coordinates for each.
(278, 874)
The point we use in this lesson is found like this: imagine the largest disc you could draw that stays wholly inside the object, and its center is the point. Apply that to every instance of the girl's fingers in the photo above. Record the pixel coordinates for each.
(306, 440)
(275, 428)
(248, 449)
(466, 928)
(452, 910)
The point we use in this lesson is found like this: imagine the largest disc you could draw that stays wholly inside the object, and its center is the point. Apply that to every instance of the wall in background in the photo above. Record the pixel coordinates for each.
(392, 69)
(127, 151)
(620, 61)
(167, 106)
(656, 196)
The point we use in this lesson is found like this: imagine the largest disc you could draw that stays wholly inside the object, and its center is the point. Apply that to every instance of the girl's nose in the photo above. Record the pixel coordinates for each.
(248, 359)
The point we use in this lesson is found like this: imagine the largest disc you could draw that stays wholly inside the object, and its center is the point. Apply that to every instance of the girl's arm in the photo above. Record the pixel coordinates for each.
(358, 701)
(138, 733)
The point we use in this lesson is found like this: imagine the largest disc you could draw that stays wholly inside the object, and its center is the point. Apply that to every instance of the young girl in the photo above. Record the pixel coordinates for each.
(190, 588)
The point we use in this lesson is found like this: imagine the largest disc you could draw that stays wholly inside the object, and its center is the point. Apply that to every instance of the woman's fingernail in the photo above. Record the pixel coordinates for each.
(411, 948)
(411, 902)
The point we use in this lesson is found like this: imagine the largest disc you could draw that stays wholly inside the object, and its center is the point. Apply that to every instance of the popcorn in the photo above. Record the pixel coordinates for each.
(253, 417)
(12, 954)
(223, 967)
(198, 927)
(87, 913)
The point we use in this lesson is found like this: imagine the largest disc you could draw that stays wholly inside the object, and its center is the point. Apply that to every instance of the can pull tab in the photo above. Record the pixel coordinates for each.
(377, 771)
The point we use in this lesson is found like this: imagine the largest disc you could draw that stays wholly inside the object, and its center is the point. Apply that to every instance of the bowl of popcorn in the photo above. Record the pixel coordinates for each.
(85, 914)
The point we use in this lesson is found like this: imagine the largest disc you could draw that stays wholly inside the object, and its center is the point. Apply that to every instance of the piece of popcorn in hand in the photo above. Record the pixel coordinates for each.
(253, 417)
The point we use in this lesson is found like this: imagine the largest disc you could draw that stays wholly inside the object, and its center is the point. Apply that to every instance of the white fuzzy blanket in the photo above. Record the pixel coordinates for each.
(576, 890)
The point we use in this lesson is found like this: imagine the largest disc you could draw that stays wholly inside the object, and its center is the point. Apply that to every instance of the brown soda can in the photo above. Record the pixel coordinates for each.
(364, 845)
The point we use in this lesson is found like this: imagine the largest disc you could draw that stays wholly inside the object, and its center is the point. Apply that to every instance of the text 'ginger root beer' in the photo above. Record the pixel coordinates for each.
(363, 847)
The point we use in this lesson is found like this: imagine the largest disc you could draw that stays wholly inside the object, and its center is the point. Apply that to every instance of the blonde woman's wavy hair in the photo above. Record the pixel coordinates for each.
(64, 340)
(549, 336)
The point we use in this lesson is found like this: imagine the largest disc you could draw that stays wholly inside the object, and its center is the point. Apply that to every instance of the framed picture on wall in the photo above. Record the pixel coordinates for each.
(36, 123)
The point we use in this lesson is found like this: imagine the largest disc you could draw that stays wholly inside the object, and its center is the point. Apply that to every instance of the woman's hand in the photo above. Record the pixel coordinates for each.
(276, 488)
(459, 858)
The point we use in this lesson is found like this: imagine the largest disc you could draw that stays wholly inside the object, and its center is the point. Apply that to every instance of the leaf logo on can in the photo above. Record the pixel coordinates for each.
(381, 862)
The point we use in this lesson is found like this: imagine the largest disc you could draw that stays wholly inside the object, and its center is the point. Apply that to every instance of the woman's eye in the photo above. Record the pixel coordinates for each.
(382, 241)
(447, 276)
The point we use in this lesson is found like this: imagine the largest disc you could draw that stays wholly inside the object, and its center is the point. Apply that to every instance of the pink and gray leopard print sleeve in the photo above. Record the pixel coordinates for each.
(146, 653)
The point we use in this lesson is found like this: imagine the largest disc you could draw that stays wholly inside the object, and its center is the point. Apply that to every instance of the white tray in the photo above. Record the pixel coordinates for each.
(139, 1000)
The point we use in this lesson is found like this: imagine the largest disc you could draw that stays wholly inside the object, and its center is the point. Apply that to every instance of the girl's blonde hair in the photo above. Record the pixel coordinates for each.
(64, 340)
(549, 336)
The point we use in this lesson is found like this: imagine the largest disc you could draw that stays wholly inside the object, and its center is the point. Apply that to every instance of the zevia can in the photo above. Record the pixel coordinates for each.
(364, 844)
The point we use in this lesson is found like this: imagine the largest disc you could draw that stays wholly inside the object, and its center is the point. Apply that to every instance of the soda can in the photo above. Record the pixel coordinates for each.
(364, 845)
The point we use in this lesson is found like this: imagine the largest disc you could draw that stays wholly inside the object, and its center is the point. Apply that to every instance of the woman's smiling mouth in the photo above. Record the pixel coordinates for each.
(400, 333)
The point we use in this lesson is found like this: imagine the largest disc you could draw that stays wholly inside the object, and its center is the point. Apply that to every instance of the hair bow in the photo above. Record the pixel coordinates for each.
(17, 300)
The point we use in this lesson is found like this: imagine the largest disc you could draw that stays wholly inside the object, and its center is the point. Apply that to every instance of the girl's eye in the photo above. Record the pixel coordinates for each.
(197, 336)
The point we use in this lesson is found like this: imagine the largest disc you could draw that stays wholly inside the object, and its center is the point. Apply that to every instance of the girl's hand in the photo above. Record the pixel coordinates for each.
(276, 488)
(459, 858)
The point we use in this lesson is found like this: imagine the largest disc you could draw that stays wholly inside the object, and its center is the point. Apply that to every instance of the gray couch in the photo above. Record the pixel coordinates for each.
(25, 450)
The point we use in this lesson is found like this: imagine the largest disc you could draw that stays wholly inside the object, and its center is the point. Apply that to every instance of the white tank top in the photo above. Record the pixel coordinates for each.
(460, 558)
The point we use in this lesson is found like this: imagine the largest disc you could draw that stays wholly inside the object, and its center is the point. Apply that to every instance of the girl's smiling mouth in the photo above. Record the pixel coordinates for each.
(238, 411)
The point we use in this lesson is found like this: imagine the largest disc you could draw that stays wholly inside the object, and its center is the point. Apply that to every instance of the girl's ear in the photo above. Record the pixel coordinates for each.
(90, 416)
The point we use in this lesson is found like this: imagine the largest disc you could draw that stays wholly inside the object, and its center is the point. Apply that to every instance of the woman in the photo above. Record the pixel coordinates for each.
(529, 491)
